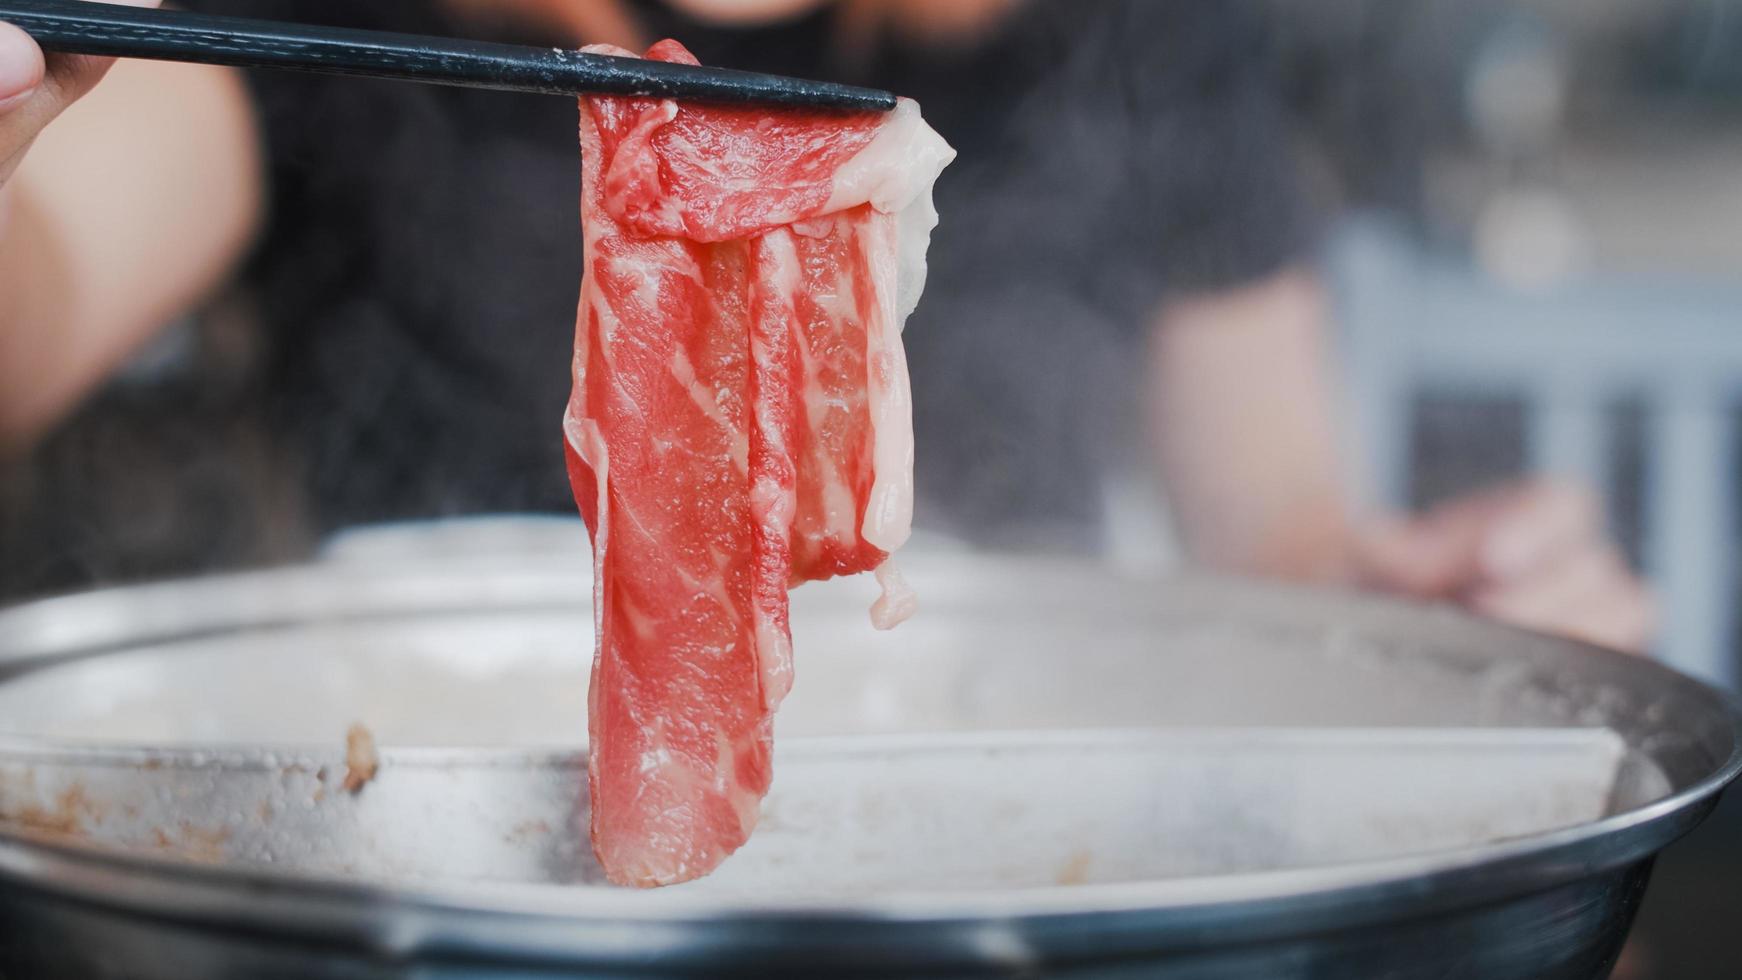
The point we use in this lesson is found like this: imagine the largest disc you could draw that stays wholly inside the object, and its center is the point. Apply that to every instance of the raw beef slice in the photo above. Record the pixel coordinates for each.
(740, 423)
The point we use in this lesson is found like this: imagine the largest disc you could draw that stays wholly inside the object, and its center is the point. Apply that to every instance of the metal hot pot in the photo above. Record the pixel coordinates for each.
(1051, 770)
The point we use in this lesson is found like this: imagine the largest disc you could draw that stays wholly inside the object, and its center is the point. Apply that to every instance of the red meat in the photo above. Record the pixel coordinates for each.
(739, 424)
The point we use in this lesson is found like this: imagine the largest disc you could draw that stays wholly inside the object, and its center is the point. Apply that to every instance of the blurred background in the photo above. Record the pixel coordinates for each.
(1535, 244)
(1538, 264)
(1539, 260)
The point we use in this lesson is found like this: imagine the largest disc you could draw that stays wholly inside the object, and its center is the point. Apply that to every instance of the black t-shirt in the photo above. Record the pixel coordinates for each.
(419, 273)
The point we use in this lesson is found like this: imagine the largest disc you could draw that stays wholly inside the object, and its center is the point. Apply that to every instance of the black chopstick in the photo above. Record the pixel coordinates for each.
(82, 27)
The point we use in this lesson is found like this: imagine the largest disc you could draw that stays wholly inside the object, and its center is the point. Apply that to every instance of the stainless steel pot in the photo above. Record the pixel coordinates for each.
(1051, 769)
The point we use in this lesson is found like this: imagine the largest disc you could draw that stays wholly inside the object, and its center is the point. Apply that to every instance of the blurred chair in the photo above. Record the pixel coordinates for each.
(1414, 322)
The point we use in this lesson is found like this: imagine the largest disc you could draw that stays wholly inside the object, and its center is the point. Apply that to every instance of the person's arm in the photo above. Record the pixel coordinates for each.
(117, 214)
(1242, 413)
(1239, 406)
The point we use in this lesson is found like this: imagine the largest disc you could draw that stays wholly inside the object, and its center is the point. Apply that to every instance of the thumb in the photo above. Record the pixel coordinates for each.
(21, 67)
(34, 88)
(22, 71)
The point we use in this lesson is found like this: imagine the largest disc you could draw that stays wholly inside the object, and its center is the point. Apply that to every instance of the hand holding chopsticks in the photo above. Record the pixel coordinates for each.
(171, 35)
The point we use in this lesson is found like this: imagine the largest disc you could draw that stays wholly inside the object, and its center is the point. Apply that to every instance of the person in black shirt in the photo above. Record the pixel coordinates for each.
(1122, 272)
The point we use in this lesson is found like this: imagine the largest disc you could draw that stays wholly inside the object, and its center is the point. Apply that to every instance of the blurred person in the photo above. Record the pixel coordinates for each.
(1123, 262)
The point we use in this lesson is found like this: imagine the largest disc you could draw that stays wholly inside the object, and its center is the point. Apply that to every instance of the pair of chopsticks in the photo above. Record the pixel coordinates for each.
(82, 27)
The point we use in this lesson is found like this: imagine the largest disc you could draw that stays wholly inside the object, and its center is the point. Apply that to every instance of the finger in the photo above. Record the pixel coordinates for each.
(1622, 619)
(1592, 596)
(1437, 554)
(22, 71)
(34, 88)
(1434, 555)
(33, 91)
(1421, 557)
(1536, 526)
(21, 67)
(1539, 599)
(1627, 623)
